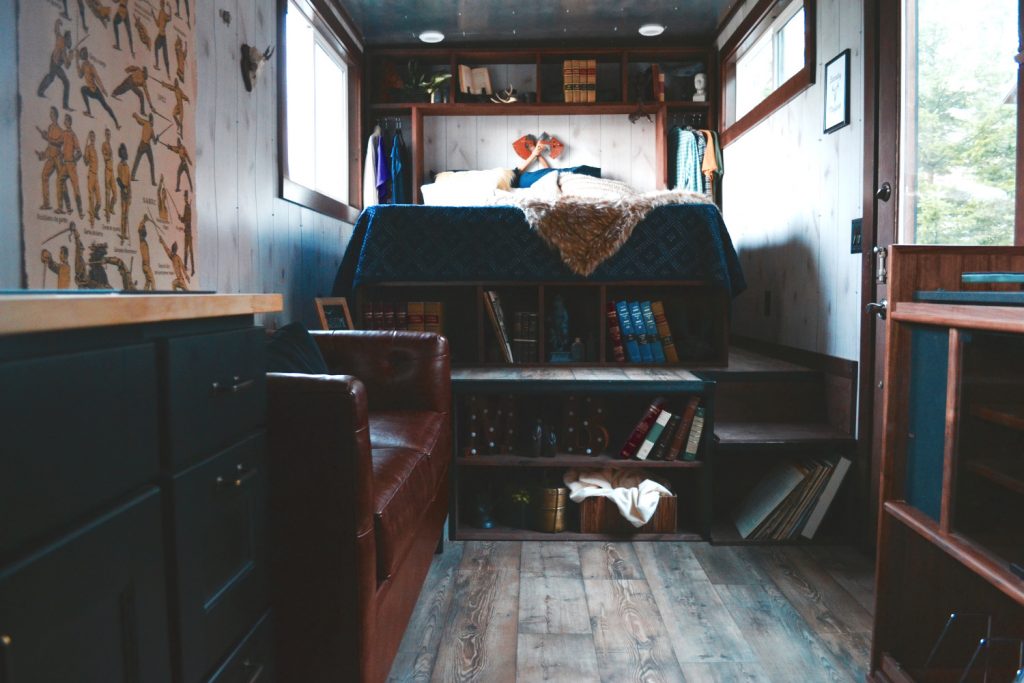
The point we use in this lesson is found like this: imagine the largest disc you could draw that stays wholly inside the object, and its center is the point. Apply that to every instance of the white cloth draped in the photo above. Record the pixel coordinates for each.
(636, 496)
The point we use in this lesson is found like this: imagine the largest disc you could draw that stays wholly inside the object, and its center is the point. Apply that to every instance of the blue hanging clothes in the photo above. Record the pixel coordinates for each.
(383, 173)
(687, 155)
(399, 182)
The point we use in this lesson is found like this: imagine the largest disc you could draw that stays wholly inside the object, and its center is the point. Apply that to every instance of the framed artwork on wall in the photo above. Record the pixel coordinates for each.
(837, 92)
(334, 313)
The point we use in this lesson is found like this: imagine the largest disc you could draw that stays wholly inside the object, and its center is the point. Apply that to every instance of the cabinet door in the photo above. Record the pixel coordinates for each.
(79, 430)
(220, 518)
(92, 606)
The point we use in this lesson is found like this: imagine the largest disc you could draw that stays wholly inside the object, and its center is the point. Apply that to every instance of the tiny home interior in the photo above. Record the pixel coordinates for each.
(579, 341)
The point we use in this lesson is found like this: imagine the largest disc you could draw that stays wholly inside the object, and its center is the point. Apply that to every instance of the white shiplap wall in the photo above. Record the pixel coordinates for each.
(249, 240)
(790, 192)
(622, 150)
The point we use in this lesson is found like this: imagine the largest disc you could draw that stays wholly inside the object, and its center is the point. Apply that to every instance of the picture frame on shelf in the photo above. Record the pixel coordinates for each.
(837, 92)
(333, 313)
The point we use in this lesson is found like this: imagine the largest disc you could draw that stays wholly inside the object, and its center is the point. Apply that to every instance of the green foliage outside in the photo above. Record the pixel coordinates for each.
(966, 145)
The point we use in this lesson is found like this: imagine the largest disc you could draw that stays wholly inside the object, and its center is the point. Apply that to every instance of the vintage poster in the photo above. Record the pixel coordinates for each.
(107, 126)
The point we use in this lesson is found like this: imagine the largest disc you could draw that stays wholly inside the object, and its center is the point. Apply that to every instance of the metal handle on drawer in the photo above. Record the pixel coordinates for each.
(238, 481)
(257, 668)
(237, 385)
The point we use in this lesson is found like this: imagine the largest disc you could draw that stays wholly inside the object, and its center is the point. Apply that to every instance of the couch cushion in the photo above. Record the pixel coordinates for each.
(418, 430)
(403, 487)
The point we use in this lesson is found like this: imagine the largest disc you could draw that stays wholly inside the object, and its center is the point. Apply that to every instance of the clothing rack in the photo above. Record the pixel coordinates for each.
(687, 119)
(396, 122)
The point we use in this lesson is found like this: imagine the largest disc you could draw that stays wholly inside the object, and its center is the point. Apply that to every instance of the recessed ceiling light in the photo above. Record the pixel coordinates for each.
(651, 30)
(431, 36)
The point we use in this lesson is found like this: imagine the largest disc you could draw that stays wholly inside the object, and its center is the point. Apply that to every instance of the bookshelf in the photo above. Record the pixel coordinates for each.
(696, 313)
(542, 393)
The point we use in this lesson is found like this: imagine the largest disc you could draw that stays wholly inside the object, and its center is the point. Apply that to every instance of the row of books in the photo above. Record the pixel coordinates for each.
(657, 83)
(579, 80)
(639, 332)
(423, 316)
(791, 499)
(663, 435)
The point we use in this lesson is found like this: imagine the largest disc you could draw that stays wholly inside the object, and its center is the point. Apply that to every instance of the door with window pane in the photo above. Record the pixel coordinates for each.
(958, 122)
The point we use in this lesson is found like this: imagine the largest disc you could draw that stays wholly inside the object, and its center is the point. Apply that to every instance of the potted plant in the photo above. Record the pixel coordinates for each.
(428, 85)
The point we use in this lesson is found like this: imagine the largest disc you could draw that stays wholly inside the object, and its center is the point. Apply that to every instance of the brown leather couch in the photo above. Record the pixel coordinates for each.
(359, 495)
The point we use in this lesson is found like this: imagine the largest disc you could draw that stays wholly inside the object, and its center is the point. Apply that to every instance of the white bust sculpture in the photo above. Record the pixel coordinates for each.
(700, 82)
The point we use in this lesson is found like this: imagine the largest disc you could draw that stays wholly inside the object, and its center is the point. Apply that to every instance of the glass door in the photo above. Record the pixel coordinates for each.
(959, 122)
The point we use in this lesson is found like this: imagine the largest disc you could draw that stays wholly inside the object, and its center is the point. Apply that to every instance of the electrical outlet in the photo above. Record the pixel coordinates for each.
(767, 302)
(856, 236)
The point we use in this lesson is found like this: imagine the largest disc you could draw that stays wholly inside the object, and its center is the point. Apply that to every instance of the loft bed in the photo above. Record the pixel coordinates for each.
(428, 244)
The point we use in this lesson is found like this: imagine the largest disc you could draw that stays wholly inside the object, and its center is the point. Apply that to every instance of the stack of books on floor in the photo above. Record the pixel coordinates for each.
(665, 435)
(522, 345)
(421, 316)
(639, 332)
(791, 500)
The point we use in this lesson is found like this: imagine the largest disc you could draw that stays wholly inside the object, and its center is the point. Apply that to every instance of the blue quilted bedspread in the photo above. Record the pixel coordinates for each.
(438, 243)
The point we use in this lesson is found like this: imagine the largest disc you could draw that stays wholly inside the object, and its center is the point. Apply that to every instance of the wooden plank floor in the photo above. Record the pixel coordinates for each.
(622, 612)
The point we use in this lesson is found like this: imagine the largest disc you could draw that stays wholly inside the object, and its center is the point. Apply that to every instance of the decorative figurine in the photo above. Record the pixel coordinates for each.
(700, 82)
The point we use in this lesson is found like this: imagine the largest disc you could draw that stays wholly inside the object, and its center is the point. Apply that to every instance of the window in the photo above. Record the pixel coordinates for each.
(319, 96)
(958, 140)
(767, 61)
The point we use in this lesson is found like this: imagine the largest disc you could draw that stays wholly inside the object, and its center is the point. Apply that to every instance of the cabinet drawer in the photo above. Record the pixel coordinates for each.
(78, 430)
(216, 391)
(220, 509)
(91, 607)
(253, 660)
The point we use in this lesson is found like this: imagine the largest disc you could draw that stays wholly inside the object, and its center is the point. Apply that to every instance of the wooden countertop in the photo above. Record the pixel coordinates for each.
(22, 313)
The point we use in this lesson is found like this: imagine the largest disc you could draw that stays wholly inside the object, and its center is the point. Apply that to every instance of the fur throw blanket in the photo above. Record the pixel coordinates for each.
(588, 230)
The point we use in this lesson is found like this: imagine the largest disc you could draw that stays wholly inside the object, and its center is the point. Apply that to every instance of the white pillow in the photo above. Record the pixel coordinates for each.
(500, 178)
(579, 185)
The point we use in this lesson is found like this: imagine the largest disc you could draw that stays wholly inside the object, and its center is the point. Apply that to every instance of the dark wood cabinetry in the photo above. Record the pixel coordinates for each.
(133, 496)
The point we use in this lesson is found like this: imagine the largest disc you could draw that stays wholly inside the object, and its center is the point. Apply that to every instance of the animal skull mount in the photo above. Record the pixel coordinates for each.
(524, 145)
(252, 61)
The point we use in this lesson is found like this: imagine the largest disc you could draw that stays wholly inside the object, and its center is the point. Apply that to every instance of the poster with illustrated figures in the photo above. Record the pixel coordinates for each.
(107, 129)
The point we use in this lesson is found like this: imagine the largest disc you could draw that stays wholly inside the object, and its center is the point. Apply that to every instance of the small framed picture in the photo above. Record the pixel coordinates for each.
(334, 313)
(837, 92)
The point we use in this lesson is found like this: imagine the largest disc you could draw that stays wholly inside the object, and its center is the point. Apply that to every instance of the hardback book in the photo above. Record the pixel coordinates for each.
(474, 81)
(798, 516)
(652, 435)
(389, 316)
(592, 81)
(767, 495)
(402, 316)
(640, 328)
(675, 448)
(628, 333)
(368, 316)
(768, 528)
(696, 430)
(661, 447)
(433, 317)
(824, 501)
(652, 332)
(524, 337)
(615, 334)
(566, 78)
(492, 302)
(378, 316)
(668, 346)
(415, 309)
(636, 438)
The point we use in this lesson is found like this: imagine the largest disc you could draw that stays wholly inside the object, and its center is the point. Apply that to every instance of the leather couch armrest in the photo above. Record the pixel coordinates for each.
(401, 370)
(323, 554)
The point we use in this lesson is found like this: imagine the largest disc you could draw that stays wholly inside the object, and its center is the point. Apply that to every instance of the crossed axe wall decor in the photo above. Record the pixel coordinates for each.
(524, 146)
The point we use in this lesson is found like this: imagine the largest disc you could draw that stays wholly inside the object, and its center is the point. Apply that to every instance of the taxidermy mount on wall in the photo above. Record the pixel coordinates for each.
(252, 61)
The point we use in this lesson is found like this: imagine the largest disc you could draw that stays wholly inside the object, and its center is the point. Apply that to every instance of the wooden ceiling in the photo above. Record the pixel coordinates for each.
(399, 22)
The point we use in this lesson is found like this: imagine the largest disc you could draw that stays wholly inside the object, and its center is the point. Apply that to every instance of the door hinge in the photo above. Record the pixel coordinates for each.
(881, 271)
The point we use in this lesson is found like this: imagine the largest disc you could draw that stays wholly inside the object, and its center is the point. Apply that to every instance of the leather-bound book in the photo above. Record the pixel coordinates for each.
(661, 447)
(401, 316)
(685, 422)
(368, 315)
(668, 346)
(389, 316)
(696, 430)
(628, 334)
(636, 438)
(433, 314)
(416, 315)
(652, 332)
(615, 334)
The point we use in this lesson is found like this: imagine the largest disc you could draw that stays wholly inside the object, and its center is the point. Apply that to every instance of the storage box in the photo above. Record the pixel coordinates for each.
(602, 516)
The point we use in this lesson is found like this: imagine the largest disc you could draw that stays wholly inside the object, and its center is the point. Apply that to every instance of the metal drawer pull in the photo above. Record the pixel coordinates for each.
(248, 664)
(238, 481)
(237, 385)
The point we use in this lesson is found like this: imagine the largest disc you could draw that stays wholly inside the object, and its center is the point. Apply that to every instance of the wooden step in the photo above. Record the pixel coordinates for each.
(746, 436)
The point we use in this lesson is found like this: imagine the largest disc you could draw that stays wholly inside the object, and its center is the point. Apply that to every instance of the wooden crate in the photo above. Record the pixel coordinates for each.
(602, 516)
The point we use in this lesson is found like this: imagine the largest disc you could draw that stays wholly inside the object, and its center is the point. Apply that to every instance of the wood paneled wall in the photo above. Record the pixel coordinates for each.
(249, 240)
(789, 195)
(622, 150)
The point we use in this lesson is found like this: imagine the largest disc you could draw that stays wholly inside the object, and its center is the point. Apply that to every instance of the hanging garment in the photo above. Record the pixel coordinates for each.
(383, 173)
(370, 169)
(688, 157)
(709, 166)
(399, 183)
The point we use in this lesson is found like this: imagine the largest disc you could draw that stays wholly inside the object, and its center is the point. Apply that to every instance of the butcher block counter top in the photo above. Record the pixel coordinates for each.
(26, 313)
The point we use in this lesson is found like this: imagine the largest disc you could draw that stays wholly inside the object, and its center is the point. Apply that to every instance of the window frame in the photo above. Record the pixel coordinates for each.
(759, 21)
(336, 31)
